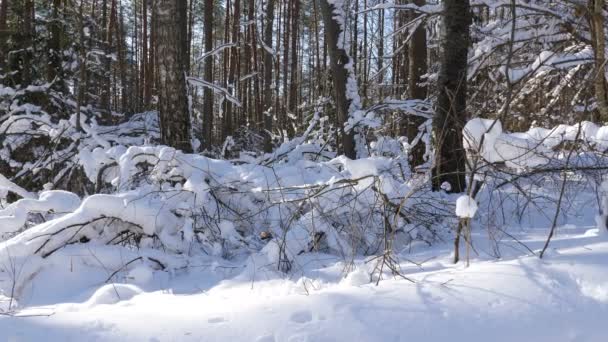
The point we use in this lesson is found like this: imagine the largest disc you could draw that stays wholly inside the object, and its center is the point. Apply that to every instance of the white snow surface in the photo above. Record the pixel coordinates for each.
(466, 207)
(563, 297)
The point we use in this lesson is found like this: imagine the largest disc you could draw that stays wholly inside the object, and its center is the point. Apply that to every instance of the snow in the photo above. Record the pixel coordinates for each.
(193, 267)
(560, 298)
(533, 148)
(466, 207)
(112, 294)
(14, 216)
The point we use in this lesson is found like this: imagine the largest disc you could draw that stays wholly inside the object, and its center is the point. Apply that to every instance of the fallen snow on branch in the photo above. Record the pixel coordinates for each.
(536, 147)
(466, 207)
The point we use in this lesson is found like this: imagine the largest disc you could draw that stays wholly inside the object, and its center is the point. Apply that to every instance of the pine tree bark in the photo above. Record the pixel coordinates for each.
(173, 100)
(380, 47)
(417, 68)
(54, 51)
(122, 61)
(28, 40)
(338, 59)
(293, 84)
(450, 114)
(144, 54)
(228, 129)
(268, 56)
(3, 33)
(601, 95)
(151, 72)
(284, 121)
(208, 76)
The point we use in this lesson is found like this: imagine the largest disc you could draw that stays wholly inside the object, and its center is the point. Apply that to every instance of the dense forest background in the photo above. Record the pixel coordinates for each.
(256, 72)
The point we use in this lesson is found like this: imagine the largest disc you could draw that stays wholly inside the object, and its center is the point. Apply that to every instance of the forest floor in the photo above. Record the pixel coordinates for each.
(518, 297)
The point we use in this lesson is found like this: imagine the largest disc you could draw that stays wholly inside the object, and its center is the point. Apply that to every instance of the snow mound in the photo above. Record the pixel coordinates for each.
(112, 294)
(481, 134)
(357, 277)
(466, 207)
(15, 215)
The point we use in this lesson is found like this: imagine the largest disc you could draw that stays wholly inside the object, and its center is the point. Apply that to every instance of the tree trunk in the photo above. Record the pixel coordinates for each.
(173, 100)
(600, 59)
(3, 27)
(417, 67)
(122, 60)
(293, 85)
(365, 54)
(268, 112)
(232, 71)
(450, 113)
(284, 121)
(83, 79)
(380, 47)
(338, 60)
(208, 76)
(54, 52)
(28, 40)
(144, 54)
(150, 73)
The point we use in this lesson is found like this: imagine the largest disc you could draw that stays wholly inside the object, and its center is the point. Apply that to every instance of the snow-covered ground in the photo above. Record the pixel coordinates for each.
(127, 265)
(563, 297)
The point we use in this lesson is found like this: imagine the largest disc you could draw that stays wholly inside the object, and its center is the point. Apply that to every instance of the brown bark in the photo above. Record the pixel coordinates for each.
(232, 71)
(268, 112)
(173, 100)
(380, 47)
(83, 79)
(144, 54)
(54, 51)
(599, 36)
(284, 121)
(365, 53)
(417, 68)
(28, 40)
(3, 27)
(208, 76)
(151, 70)
(338, 59)
(450, 113)
(293, 85)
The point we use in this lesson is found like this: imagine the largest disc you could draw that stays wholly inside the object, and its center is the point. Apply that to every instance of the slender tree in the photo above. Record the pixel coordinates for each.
(268, 56)
(54, 52)
(208, 76)
(3, 31)
(293, 83)
(417, 68)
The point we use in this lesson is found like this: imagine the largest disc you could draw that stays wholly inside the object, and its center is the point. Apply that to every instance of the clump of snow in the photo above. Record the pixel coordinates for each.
(15, 215)
(481, 134)
(466, 207)
(594, 290)
(112, 294)
(7, 304)
(228, 231)
(357, 277)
